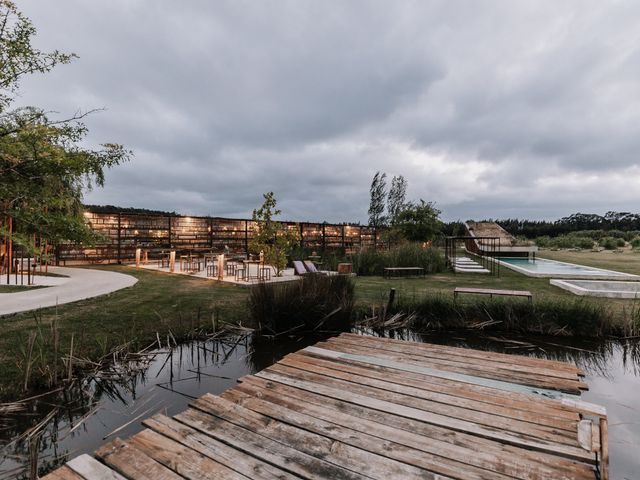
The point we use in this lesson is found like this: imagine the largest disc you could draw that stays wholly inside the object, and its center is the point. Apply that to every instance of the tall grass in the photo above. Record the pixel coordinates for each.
(314, 302)
(572, 317)
(373, 262)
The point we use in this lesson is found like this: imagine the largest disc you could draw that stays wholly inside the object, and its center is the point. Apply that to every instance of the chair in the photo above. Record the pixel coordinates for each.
(310, 266)
(298, 268)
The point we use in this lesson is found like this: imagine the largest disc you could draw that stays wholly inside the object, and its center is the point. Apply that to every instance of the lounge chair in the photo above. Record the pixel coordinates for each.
(310, 266)
(298, 268)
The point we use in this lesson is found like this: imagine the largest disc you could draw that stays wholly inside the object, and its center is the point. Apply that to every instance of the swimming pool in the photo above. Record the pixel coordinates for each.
(541, 267)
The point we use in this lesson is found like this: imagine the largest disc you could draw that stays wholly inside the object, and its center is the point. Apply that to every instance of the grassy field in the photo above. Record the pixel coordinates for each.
(162, 303)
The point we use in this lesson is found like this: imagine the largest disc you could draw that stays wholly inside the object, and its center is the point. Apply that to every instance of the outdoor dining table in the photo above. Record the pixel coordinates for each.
(247, 265)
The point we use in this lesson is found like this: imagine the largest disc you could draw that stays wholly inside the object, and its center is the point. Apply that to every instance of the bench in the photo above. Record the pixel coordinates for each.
(402, 271)
(491, 292)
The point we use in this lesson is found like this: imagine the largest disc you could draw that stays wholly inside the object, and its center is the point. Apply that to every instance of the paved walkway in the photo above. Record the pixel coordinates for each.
(80, 284)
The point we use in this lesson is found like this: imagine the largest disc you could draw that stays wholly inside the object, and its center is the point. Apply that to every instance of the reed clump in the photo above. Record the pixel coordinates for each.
(570, 317)
(315, 302)
(373, 262)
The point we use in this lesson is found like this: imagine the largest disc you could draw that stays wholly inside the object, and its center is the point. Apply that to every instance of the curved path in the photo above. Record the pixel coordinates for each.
(80, 284)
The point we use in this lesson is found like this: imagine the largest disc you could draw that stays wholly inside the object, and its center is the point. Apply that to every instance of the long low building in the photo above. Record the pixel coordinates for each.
(123, 231)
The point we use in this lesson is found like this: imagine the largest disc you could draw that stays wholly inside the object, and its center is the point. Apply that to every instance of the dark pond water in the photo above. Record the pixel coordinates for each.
(83, 418)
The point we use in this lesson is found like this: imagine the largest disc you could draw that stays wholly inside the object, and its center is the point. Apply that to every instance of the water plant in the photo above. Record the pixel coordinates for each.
(315, 302)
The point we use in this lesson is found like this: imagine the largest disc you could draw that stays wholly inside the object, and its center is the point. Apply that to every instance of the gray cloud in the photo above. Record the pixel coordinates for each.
(490, 108)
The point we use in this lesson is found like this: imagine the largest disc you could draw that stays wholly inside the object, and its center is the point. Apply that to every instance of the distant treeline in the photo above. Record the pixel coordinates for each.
(620, 221)
(114, 209)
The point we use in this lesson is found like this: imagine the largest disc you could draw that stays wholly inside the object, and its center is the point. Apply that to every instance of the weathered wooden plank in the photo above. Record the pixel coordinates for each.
(182, 460)
(459, 397)
(132, 462)
(434, 433)
(476, 369)
(233, 458)
(541, 406)
(334, 451)
(91, 469)
(421, 368)
(63, 473)
(489, 432)
(276, 453)
(514, 367)
(467, 352)
(432, 454)
(384, 447)
(524, 429)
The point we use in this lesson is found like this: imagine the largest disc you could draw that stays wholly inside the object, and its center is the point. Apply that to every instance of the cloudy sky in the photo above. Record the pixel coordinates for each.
(489, 108)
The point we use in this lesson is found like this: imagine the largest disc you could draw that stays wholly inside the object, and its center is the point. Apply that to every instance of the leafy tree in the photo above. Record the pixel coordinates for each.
(270, 237)
(43, 169)
(17, 56)
(378, 194)
(396, 199)
(419, 222)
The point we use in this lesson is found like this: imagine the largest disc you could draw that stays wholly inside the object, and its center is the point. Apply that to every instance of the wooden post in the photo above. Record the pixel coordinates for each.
(172, 261)
(10, 248)
(246, 238)
(138, 252)
(604, 448)
(221, 266)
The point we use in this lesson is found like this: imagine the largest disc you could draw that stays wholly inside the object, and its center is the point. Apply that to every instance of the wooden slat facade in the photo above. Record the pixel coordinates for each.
(359, 407)
(123, 232)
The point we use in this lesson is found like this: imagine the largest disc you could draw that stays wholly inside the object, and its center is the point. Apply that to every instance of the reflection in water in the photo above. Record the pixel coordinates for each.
(79, 419)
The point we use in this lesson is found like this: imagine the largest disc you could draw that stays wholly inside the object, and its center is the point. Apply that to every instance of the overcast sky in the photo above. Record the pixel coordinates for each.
(489, 108)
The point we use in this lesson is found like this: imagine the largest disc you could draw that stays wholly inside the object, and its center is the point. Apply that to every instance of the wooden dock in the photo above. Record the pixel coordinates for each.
(359, 407)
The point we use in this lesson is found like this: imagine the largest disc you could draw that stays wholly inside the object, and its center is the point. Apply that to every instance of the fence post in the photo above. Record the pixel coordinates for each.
(246, 238)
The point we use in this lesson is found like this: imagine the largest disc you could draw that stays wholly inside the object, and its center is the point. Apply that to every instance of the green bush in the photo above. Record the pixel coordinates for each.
(611, 243)
(565, 241)
(635, 243)
(313, 302)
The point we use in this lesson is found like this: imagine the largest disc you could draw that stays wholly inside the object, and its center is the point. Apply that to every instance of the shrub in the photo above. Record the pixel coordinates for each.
(611, 243)
(635, 243)
(313, 302)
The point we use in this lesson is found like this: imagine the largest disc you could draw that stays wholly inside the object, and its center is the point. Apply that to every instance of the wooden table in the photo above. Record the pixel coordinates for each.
(402, 271)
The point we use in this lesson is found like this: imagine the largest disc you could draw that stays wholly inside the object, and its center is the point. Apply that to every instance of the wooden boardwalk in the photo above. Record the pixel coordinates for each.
(357, 407)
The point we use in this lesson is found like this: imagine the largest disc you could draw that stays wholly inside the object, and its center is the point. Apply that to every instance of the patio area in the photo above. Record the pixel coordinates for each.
(234, 270)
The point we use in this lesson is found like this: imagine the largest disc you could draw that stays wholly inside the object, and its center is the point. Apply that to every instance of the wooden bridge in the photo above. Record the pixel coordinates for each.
(357, 407)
